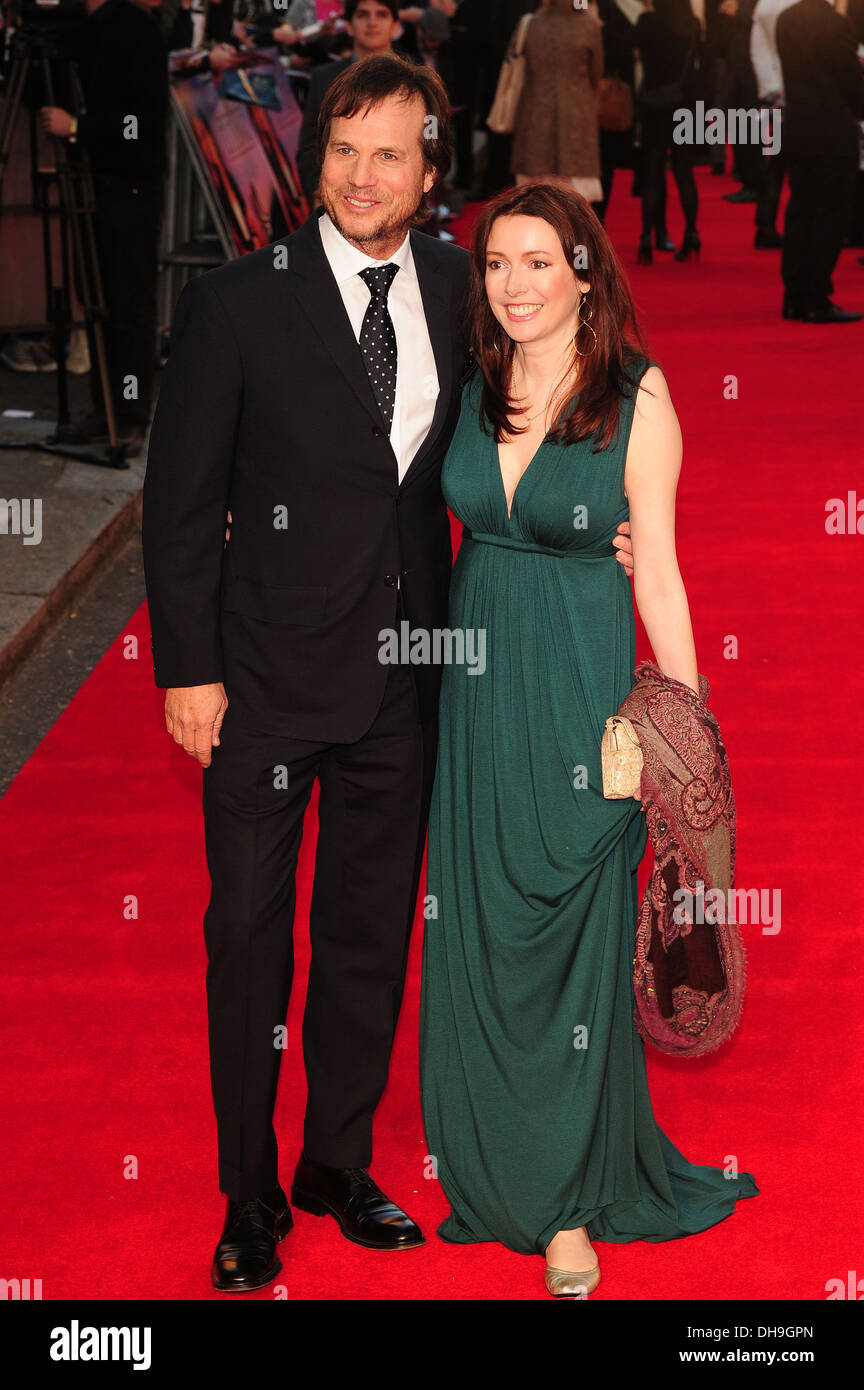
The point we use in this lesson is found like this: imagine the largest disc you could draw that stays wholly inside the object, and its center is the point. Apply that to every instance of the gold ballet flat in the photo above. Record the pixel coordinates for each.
(568, 1283)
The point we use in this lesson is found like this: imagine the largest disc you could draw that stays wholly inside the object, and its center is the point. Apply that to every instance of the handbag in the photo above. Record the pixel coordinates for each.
(621, 759)
(615, 108)
(511, 80)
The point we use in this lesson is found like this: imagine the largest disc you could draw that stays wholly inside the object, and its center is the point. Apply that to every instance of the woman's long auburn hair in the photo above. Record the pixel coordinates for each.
(601, 375)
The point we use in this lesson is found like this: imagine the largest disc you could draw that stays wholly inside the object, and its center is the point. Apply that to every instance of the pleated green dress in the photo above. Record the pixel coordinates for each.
(533, 1081)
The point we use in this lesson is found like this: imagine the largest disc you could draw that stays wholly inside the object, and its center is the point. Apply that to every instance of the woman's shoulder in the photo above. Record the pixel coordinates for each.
(637, 366)
(648, 387)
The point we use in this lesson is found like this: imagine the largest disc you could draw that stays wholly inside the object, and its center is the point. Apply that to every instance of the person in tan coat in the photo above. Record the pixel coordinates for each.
(556, 138)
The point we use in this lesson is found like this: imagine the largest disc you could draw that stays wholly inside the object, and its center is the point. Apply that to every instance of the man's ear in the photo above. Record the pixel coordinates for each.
(428, 180)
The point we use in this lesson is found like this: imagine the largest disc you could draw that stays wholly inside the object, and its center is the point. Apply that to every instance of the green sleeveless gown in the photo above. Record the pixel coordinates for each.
(533, 1082)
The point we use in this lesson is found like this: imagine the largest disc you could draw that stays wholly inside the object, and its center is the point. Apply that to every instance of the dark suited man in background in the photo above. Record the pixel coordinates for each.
(123, 64)
(824, 89)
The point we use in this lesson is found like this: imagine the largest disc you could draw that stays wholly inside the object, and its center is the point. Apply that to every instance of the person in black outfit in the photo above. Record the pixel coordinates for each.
(855, 15)
(668, 41)
(742, 94)
(616, 146)
(122, 62)
(824, 89)
(718, 33)
(435, 46)
(481, 30)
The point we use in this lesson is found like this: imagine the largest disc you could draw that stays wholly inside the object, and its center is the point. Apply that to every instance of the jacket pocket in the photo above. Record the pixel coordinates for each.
(274, 603)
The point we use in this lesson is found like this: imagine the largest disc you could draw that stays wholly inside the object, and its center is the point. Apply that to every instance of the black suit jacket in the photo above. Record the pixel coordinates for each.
(266, 408)
(822, 82)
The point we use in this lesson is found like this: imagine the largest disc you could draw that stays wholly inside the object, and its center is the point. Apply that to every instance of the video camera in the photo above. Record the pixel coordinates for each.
(51, 18)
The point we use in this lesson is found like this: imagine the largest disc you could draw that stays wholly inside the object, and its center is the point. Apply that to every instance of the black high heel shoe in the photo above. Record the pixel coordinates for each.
(644, 255)
(662, 241)
(690, 243)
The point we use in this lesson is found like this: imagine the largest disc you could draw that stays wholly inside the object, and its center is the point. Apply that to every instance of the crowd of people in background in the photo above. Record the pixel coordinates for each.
(603, 81)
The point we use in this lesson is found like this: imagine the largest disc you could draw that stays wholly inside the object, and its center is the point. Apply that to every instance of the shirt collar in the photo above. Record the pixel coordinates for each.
(346, 260)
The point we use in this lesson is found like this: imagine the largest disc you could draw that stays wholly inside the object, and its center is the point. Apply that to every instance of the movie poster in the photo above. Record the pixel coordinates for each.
(245, 126)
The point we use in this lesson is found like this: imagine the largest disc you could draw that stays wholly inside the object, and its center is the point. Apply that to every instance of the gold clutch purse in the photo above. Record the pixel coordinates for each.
(621, 759)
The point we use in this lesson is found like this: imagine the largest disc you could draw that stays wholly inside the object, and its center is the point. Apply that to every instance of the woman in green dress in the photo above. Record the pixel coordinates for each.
(533, 1080)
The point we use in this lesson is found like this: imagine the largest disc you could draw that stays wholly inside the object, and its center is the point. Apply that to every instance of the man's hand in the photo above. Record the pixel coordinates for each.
(56, 121)
(286, 33)
(193, 718)
(224, 56)
(621, 542)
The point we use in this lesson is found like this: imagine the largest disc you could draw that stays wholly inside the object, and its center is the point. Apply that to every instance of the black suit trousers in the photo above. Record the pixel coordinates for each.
(818, 217)
(373, 806)
(127, 218)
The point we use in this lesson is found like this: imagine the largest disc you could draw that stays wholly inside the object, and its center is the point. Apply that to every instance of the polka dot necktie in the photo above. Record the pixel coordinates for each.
(378, 339)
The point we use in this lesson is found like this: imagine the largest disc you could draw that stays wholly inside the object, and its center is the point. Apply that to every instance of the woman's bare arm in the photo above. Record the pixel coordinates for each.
(650, 481)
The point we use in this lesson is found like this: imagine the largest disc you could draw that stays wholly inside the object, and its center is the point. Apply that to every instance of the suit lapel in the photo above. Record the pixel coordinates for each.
(315, 287)
(436, 296)
(318, 293)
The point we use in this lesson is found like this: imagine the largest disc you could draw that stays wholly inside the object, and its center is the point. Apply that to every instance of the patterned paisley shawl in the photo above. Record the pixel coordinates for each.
(689, 969)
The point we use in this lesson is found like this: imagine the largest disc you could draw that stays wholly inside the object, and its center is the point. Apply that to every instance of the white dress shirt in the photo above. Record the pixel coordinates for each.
(763, 46)
(416, 376)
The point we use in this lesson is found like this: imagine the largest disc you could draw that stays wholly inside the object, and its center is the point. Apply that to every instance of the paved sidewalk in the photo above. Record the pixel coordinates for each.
(77, 516)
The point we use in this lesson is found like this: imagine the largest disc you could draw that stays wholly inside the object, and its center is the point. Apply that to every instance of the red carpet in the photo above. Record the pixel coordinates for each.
(106, 1054)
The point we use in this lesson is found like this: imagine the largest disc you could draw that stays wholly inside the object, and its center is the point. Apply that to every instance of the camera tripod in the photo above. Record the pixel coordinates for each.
(33, 57)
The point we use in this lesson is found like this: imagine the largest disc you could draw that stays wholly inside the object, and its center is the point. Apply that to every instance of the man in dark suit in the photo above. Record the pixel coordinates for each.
(122, 62)
(824, 92)
(373, 25)
(270, 646)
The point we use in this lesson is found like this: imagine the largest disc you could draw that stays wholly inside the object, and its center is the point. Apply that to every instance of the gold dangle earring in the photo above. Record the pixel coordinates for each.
(583, 323)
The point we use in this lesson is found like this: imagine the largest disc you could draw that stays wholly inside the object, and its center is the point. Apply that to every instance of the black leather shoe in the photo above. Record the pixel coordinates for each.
(769, 240)
(246, 1256)
(362, 1211)
(744, 195)
(792, 309)
(829, 313)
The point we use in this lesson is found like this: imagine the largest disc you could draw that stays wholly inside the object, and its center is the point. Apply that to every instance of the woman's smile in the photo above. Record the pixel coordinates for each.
(522, 311)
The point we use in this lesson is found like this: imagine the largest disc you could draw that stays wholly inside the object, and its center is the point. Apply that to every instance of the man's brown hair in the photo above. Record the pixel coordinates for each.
(364, 84)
